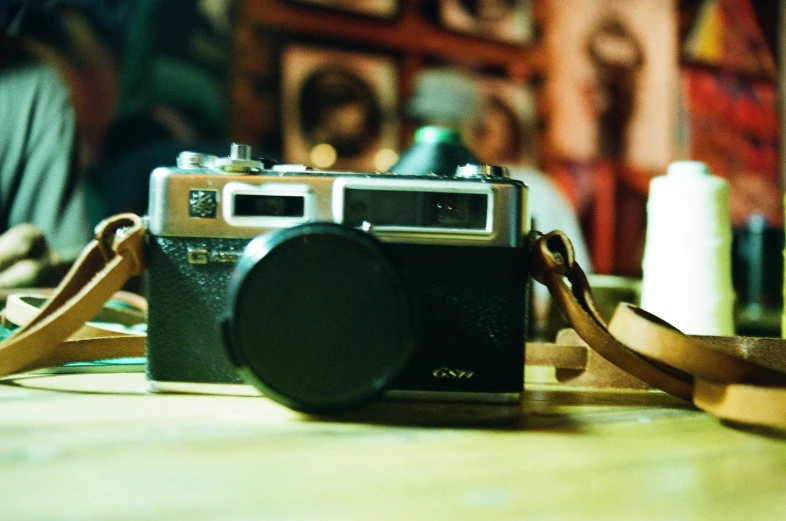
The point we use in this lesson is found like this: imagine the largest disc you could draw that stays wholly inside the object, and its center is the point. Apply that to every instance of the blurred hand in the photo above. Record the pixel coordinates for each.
(26, 259)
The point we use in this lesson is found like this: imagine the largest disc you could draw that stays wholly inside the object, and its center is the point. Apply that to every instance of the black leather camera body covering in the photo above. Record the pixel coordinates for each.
(468, 268)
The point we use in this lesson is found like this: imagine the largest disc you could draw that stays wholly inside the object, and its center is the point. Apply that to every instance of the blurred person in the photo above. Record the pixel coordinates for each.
(81, 41)
(172, 70)
(43, 216)
(146, 79)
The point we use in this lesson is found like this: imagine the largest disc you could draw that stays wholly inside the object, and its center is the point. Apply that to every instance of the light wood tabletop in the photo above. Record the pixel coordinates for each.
(98, 447)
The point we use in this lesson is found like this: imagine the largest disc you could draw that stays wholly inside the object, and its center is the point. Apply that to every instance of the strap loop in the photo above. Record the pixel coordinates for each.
(122, 235)
(553, 256)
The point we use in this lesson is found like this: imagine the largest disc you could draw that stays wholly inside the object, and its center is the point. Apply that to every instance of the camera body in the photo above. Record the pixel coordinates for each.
(461, 242)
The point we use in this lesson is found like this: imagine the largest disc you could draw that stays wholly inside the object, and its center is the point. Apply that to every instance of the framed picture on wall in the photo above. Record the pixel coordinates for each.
(375, 8)
(611, 80)
(507, 20)
(339, 109)
(507, 131)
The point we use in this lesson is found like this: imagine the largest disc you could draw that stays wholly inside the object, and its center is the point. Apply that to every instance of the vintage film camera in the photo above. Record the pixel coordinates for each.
(324, 289)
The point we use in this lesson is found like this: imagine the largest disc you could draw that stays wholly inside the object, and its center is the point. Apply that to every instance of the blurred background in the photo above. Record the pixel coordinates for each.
(597, 96)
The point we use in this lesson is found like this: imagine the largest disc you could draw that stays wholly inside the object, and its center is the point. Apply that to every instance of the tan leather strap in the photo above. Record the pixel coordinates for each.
(745, 403)
(103, 267)
(94, 340)
(22, 306)
(736, 378)
(553, 263)
(718, 359)
(577, 365)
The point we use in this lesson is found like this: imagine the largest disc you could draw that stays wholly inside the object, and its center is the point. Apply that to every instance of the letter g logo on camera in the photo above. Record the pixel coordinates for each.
(452, 374)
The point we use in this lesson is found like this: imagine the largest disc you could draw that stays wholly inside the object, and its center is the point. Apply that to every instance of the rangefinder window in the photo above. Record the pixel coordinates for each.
(260, 205)
(416, 209)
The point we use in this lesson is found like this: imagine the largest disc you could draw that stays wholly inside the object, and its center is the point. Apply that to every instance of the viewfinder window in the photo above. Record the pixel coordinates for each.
(415, 209)
(263, 205)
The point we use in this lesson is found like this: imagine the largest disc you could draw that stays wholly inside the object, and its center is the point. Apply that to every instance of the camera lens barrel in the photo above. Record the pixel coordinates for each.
(321, 319)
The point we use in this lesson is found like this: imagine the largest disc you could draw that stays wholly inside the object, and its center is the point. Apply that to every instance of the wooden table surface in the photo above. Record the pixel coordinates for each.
(97, 447)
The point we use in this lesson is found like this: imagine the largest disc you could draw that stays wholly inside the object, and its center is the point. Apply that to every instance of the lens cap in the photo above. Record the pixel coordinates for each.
(321, 320)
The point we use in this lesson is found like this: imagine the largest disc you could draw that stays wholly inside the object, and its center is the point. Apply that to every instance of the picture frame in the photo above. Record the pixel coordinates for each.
(610, 88)
(386, 9)
(505, 20)
(507, 133)
(339, 108)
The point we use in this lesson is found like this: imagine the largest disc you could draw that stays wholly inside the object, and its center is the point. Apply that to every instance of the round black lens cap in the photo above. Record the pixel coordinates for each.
(321, 319)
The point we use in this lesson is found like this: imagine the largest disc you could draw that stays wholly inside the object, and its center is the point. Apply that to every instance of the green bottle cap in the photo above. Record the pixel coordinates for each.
(433, 134)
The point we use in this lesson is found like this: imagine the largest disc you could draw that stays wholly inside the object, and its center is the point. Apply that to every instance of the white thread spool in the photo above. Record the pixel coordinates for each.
(687, 256)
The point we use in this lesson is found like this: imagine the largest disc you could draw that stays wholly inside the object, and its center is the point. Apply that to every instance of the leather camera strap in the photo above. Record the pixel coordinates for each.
(553, 264)
(736, 378)
(740, 379)
(101, 270)
(94, 340)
